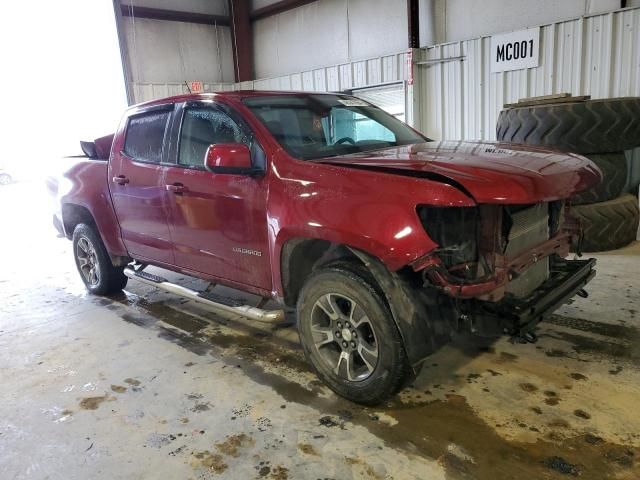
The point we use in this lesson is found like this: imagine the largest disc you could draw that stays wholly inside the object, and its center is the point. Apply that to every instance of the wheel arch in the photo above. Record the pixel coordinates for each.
(73, 215)
(422, 326)
(299, 257)
(419, 314)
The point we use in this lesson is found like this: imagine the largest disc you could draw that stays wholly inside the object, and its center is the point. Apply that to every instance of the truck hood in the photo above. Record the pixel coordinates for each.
(489, 172)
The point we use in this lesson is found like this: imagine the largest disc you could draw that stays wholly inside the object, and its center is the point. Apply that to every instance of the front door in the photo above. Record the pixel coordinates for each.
(218, 221)
(138, 186)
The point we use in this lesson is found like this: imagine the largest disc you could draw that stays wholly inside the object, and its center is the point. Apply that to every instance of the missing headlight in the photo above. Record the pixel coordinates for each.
(455, 230)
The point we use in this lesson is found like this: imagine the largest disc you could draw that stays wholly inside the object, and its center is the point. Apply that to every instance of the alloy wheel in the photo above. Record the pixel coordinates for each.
(88, 261)
(344, 337)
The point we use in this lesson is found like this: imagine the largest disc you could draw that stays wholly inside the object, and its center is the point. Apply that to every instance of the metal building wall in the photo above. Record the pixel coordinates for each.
(162, 51)
(596, 55)
(346, 76)
(151, 91)
(327, 32)
(465, 19)
(335, 78)
(161, 54)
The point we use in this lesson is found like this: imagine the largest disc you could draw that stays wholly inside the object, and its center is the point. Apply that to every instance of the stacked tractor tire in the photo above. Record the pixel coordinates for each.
(600, 130)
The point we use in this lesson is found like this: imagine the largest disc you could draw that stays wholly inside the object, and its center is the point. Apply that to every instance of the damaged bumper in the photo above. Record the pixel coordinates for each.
(491, 288)
(516, 316)
(511, 274)
(483, 307)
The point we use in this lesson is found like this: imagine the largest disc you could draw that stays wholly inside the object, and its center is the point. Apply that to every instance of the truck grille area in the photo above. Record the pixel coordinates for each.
(529, 227)
(492, 251)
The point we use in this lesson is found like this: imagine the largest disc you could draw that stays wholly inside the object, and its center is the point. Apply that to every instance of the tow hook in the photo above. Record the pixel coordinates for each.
(582, 293)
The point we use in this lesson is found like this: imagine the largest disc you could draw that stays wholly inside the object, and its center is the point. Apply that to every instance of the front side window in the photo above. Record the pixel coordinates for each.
(320, 126)
(145, 136)
(202, 127)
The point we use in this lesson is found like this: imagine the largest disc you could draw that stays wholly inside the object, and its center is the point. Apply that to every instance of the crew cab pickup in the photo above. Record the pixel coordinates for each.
(384, 242)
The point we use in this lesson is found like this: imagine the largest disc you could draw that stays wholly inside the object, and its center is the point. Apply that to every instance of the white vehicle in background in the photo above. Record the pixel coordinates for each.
(5, 178)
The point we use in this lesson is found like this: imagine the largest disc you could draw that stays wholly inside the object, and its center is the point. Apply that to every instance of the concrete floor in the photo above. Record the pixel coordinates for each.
(145, 385)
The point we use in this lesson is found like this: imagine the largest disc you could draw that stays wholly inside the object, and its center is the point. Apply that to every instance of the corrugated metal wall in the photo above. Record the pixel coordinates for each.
(597, 55)
(357, 74)
(150, 91)
(336, 78)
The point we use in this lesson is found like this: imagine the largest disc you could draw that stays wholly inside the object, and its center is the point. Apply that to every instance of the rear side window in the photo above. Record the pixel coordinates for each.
(145, 136)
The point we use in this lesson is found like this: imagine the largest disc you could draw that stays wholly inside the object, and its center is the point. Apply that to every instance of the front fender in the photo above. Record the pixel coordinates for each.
(422, 325)
(370, 211)
(396, 244)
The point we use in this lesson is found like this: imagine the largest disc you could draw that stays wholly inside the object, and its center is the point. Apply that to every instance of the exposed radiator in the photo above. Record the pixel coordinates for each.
(530, 227)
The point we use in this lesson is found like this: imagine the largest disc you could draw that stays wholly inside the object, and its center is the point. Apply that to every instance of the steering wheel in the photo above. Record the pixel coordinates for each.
(345, 139)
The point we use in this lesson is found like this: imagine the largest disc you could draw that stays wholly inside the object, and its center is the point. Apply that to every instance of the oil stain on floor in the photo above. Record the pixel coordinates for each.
(437, 422)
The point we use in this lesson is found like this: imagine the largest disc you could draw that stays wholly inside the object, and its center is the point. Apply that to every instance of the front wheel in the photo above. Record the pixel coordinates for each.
(93, 263)
(5, 179)
(349, 336)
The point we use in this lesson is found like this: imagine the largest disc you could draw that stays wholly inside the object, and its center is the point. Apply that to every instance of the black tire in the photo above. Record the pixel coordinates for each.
(609, 225)
(614, 178)
(592, 126)
(108, 279)
(375, 383)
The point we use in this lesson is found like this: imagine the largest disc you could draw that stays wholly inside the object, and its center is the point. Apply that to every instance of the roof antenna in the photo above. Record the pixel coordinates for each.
(187, 85)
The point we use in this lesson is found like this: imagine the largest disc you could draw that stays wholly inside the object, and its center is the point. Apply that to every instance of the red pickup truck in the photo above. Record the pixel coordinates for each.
(383, 241)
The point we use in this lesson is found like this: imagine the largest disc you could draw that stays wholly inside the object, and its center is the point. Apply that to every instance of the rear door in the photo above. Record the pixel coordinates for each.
(218, 221)
(136, 172)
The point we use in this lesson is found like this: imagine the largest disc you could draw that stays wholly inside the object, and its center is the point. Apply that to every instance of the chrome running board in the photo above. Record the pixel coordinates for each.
(217, 302)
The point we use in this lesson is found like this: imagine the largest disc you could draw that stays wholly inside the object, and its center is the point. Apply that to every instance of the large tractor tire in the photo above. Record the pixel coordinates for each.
(609, 225)
(614, 178)
(591, 126)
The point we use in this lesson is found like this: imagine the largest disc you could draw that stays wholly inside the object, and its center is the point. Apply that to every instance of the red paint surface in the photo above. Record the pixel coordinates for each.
(230, 155)
(86, 186)
(232, 228)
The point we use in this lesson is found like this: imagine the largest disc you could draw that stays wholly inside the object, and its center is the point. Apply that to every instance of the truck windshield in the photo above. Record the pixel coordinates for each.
(319, 126)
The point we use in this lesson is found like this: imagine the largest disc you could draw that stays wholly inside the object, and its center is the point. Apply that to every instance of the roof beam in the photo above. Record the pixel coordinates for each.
(241, 39)
(173, 15)
(413, 18)
(124, 53)
(278, 7)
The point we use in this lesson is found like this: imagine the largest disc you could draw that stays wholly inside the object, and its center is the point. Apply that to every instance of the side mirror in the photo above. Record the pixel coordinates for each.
(229, 158)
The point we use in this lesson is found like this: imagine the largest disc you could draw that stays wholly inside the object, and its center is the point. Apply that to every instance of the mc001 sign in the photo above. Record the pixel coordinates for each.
(515, 50)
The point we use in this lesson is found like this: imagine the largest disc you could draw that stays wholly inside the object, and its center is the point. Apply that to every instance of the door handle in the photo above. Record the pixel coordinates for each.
(177, 188)
(120, 180)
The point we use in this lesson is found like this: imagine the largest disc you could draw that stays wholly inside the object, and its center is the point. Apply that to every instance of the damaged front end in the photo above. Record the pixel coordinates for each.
(503, 266)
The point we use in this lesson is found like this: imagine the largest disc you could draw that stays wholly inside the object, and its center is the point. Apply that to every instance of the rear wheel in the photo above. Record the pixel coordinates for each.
(350, 338)
(93, 263)
(5, 179)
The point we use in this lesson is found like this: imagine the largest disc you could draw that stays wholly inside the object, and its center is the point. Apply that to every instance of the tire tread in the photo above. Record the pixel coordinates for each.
(614, 178)
(609, 225)
(592, 126)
